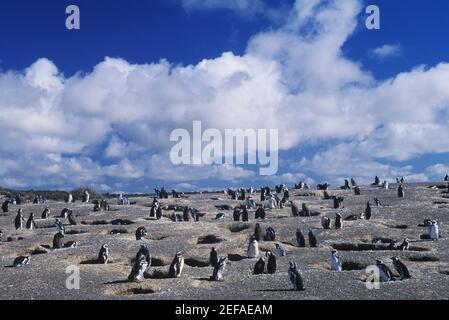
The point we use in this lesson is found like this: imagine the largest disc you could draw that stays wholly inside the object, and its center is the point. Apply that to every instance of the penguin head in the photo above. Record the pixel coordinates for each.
(379, 262)
(105, 246)
(395, 259)
(334, 252)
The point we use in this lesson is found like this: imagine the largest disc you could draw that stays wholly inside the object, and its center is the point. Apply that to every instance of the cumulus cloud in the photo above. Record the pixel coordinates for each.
(115, 122)
(386, 51)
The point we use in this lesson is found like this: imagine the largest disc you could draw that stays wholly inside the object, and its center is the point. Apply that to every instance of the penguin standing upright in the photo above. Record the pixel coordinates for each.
(260, 213)
(270, 234)
(326, 222)
(60, 226)
(1, 236)
(312, 239)
(103, 255)
(338, 221)
(236, 215)
(335, 261)
(295, 277)
(57, 241)
(258, 232)
(295, 210)
(384, 272)
(138, 270)
(143, 251)
(368, 212)
(46, 213)
(18, 221)
(30, 225)
(401, 268)
(141, 232)
(159, 213)
(71, 218)
(186, 214)
(300, 239)
(219, 270)
(253, 248)
(305, 210)
(280, 251)
(245, 216)
(271, 263)
(405, 246)
(213, 257)
(401, 192)
(64, 213)
(434, 231)
(5, 206)
(177, 265)
(259, 267)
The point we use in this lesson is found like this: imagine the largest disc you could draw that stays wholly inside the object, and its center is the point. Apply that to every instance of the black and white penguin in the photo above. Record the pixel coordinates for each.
(338, 221)
(64, 213)
(295, 209)
(1, 236)
(258, 232)
(405, 246)
(253, 248)
(69, 198)
(353, 183)
(326, 222)
(177, 265)
(335, 261)
(401, 268)
(377, 202)
(5, 206)
(245, 216)
(300, 239)
(295, 277)
(145, 252)
(219, 270)
(138, 270)
(280, 251)
(71, 244)
(259, 267)
(71, 218)
(59, 226)
(103, 255)
(159, 213)
(305, 212)
(186, 214)
(141, 232)
(220, 216)
(312, 239)
(46, 213)
(271, 262)
(30, 225)
(338, 202)
(260, 213)
(357, 191)
(21, 261)
(434, 230)
(213, 258)
(392, 245)
(376, 181)
(368, 211)
(401, 192)
(18, 221)
(270, 234)
(58, 242)
(236, 215)
(384, 272)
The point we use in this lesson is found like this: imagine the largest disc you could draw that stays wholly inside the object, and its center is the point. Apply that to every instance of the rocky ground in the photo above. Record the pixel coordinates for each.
(45, 277)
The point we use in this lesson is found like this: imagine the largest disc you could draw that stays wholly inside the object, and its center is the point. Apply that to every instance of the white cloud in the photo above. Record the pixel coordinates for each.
(387, 51)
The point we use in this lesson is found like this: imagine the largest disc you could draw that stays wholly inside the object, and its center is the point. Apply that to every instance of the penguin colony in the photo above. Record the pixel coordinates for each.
(267, 250)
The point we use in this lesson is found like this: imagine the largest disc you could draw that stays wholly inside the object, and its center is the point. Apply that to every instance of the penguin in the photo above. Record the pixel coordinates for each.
(305, 210)
(141, 232)
(401, 268)
(385, 273)
(21, 261)
(71, 244)
(220, 216)
(236, 215)
(86, 196)
(295, 210)
(260, 213)
(159, 213)
(1, 236)
(30, 225)
(186, 214)
(253, 248)
(219, 270)
(45, 213)
(258, 232)
(295, 277)
(353, 183)
(434, 231)
(64, 213)
(144, 252)
(326, 195)
(385, 185)
(335, 261)
(325, 222)
(337, 202)
(300, 239)
(271, 262)
(57, 241)
(103, 255)
(405, 246)
(213, 258)
(176, 266)
(401, 192)
(280, 251)
(18, 221)
(69, 198)
(245, 217)
(357, 191)
(376, 181)
(71, 218)
(5, 206)
(270, 234)
(377, 202)
(312, 239)
(138, 270)
(60, 226)
(392, 245)
(259, 268)
(368, 211)
(153, 211)
(338, 221)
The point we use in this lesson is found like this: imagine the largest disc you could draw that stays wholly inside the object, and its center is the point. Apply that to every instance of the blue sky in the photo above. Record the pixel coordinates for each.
(357, 101)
